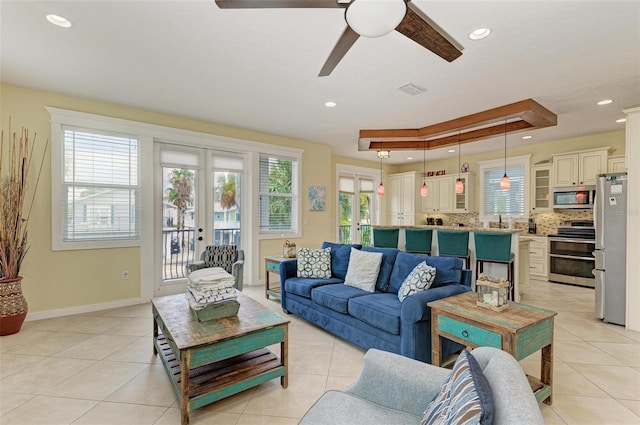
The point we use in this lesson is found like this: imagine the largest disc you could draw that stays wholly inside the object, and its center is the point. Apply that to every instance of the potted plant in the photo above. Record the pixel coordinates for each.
(16, 154)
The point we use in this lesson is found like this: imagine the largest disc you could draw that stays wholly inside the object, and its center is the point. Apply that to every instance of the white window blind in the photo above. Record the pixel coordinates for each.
(100, 186)
(278, 194)
(509, 202)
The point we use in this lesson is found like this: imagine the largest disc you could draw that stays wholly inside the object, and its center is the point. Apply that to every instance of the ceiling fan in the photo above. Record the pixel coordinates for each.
(368, 18)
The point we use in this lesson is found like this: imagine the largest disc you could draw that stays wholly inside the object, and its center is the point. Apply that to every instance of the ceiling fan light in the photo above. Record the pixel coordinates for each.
(505, 184)
(375, 18)
(459, 186)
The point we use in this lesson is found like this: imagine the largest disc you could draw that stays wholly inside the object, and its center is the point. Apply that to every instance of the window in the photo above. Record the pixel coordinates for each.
(513, 202)
(100, 186)
(278, 195)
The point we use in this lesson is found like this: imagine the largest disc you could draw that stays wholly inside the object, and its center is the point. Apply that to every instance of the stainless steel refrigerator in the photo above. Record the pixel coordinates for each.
(610, 220)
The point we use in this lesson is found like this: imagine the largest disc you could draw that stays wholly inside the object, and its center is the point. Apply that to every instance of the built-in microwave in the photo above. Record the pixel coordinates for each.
(574, 197)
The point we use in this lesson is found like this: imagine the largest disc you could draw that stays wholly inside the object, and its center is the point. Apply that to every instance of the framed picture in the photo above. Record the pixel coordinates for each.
(317, 198)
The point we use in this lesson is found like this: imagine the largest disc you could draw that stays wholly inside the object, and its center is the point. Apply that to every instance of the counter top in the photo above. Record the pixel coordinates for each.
(459, 228)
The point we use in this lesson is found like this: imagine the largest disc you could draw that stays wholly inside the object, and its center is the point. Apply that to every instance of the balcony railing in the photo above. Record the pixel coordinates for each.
(345, 236)
(178, 249)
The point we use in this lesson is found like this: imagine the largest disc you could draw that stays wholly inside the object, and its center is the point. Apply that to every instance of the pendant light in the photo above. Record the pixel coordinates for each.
(459, 183)
(381, 154)
(424, 190)
(505, 184)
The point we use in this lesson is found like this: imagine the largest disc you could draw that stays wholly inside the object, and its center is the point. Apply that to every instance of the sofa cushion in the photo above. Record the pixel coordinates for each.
(381, 310)
(363, 270)
(465, 397)
(314, 262)
(340, 254)
(388, 258)
(448, 270)
(336, 297)
(420, 279)
(303, 285)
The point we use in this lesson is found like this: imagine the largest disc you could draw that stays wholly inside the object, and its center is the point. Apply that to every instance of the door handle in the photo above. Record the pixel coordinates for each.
(199, 238)
(200, 230)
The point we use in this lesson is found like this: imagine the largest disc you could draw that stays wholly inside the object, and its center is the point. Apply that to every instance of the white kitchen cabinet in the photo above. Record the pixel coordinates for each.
(538, 258)
(441, 195)
(402, 198)
(541, 184)
(579, 168)
(464, 202)
(617, 164)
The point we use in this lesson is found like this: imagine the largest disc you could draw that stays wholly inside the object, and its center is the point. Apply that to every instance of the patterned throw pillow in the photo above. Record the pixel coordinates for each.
(465, 398)
(314, 262)
(420, 279)
(363, 269)
(220, 256)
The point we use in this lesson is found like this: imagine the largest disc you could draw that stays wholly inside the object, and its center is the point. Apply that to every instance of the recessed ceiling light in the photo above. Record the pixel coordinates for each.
(604, 102)
(330, 104)
(480, 33)
(451, 150)
(409, 158)
(622, 120)
(526, 137)
(59, 21)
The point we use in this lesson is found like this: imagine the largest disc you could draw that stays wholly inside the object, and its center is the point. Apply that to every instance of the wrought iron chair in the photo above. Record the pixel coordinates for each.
(226, 256)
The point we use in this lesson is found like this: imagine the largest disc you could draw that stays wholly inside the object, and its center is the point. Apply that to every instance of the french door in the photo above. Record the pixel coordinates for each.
(199, 202)
(356, 207)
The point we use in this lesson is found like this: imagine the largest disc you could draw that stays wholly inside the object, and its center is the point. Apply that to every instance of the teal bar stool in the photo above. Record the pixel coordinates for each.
(418, 241)
(494, 248)
(385, 238)
(454, 243)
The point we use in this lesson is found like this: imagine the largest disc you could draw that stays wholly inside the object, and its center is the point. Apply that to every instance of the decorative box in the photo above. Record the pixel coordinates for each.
(492, 292)
(217, 310)
(289, 249)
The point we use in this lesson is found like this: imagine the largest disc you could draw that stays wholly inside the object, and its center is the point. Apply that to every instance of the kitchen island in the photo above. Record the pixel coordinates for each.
(519, 247)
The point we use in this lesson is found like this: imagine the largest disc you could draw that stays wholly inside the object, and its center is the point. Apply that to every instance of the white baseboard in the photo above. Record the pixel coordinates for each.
(49, 314)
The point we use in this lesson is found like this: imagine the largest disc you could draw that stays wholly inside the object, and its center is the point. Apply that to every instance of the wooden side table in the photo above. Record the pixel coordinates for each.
(520, 330)
(272, 265)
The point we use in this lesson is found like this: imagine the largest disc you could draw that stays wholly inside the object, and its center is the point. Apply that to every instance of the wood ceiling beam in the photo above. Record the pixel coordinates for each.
(528, 114)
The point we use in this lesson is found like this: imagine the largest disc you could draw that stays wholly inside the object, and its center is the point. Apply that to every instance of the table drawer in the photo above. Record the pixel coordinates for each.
(273, 267)
(470, 333)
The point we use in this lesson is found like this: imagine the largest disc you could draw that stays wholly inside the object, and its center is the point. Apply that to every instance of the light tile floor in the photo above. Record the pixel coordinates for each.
(99, 368)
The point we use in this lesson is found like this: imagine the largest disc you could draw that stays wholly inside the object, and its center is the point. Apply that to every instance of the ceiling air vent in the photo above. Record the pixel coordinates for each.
(412, 89)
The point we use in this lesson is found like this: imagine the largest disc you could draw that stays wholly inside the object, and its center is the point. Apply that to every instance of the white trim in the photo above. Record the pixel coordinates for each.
(355, 171)
(89, 308)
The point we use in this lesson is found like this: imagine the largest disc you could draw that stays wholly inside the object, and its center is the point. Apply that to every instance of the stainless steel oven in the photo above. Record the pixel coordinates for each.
(571, 258)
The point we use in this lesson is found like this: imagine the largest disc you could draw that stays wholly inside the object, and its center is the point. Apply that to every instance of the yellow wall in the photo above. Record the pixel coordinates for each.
(63, 279)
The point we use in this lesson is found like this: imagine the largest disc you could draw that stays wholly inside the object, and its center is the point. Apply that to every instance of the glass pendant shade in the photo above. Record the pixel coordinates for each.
(424, 190)
(459, 186)
(381, 189)
(375, 18)
(505, 183)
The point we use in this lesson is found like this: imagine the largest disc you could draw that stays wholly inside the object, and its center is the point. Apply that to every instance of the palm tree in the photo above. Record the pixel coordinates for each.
(227, 190)
(280, 181)
(180, 194)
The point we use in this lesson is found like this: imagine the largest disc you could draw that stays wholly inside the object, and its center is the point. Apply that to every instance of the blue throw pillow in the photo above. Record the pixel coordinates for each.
(448, 269)
(340, 254)
(465, 397)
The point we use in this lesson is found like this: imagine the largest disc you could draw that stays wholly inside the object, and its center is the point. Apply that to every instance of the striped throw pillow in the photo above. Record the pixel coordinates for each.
(465, 398)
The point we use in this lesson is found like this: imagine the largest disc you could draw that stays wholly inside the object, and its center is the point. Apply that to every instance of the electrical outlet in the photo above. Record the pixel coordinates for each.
(125, 275)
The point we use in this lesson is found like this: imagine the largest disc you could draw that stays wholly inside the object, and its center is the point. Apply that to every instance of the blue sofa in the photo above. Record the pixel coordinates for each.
(374, 320)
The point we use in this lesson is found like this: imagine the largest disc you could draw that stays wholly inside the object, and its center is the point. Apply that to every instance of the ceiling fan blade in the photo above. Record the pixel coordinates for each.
(426, 33)
(341, 48)
(276, 4)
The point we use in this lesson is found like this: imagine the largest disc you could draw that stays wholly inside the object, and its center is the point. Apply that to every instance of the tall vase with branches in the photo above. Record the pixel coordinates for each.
(16, 202)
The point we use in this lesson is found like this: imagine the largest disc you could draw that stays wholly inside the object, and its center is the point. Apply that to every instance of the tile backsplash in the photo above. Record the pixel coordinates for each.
(546, 223)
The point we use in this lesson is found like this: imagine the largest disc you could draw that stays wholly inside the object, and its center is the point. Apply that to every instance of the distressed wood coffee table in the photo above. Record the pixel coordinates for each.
(208, 361)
